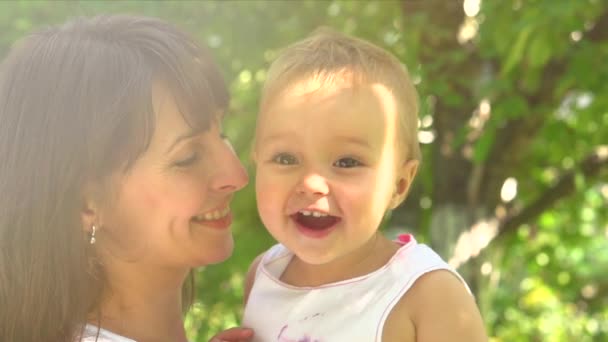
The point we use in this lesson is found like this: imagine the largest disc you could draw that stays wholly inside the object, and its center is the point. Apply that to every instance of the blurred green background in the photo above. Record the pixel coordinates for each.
(514, 125)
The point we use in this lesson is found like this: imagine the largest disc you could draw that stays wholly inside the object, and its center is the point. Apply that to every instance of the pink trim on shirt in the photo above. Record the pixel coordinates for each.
(405, 240)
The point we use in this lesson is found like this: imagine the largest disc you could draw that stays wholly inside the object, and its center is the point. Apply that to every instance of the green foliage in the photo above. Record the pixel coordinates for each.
(531, 60)
(560, 292)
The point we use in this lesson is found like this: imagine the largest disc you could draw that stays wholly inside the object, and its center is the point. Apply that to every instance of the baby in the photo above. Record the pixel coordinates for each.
(335, 149)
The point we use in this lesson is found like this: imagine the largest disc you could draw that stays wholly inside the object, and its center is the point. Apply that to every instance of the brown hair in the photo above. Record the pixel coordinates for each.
(75, 105)
(331, 56)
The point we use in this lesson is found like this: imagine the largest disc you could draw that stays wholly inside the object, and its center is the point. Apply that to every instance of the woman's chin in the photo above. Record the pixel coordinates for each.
(216, 254)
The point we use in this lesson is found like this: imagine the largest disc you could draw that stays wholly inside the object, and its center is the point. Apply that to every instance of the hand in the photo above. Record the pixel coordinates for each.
(233, 335)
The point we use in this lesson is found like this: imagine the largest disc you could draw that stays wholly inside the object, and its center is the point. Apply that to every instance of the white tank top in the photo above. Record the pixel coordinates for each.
(95, 334)
(349, 310)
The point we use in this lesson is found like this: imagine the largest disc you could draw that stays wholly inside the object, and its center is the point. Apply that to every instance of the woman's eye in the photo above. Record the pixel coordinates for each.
(347, 162)
(187, 161)
(284, 159)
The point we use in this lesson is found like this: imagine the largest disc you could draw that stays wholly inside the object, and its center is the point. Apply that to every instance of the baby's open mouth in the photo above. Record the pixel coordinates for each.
(314, 220)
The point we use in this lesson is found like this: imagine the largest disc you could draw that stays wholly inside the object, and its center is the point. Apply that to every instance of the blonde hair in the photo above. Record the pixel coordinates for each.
(331, 57)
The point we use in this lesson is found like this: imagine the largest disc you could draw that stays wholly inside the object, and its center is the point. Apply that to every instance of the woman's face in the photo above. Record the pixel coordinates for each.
(171, 209)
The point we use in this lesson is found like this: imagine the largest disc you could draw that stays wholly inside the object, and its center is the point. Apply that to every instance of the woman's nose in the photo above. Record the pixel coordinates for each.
(230, 175)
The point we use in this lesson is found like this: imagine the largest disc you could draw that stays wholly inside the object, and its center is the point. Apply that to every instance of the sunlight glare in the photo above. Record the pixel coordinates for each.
(589, 291)
(470, 243)
(426, 137)
(427, 121)
(508, 190)
(245, 76)
(486, 268)
(604, 190)
(468, 30)
(471, 7)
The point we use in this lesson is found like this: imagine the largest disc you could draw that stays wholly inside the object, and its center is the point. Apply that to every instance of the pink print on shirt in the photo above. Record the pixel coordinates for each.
(305, 338)
(296, 332)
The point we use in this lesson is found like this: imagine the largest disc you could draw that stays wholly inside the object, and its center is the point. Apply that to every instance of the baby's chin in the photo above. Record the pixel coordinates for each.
(314, 259)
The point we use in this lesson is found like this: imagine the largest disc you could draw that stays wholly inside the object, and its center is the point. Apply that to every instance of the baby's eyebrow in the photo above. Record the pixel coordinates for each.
(353, 140)
(278, 137)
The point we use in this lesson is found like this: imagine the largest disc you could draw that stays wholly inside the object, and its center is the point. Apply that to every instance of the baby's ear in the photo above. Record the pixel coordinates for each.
(405, 176)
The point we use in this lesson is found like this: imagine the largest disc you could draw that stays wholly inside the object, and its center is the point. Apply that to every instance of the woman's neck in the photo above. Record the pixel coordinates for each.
(143, 306)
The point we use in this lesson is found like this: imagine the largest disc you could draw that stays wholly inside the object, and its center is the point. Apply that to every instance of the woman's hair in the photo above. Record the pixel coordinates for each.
(75, 106)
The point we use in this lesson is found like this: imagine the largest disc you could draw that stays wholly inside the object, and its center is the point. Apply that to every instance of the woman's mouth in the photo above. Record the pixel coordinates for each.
(219, 218)
(313, 223)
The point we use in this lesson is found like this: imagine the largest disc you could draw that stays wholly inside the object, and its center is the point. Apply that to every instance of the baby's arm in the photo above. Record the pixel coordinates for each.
(250, 278)
(437, 308)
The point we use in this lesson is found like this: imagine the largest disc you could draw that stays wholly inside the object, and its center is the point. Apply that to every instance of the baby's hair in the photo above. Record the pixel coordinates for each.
(330, 56)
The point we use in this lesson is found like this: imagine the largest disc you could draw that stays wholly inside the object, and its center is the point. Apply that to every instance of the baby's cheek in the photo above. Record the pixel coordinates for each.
(266, 193)
(357, 193)
(265, 207)
(269, 213)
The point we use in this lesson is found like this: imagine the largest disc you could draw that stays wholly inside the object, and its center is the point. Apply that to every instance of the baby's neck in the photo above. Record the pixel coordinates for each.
(366, 259)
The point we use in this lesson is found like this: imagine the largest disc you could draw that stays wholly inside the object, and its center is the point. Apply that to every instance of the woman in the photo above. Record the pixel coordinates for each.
(115, 181)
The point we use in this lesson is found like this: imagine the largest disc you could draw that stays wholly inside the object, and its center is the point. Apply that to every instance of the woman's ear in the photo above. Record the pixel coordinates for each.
(90, 212)
(405, 176)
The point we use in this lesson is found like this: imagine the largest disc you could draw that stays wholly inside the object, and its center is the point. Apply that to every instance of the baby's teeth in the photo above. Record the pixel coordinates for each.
(312, 213)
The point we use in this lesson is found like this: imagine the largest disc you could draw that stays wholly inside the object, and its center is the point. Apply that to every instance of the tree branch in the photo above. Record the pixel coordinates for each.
(599, 31)
(590, 167)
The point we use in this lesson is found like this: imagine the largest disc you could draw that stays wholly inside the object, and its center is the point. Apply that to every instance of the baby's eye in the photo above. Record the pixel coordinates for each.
(347, 162)
(187, 161)
(284, 159)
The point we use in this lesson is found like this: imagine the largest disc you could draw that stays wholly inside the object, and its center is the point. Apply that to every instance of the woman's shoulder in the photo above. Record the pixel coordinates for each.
(92, 333)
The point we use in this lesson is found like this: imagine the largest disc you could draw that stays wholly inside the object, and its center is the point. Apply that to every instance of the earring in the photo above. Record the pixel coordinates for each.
(93, 230)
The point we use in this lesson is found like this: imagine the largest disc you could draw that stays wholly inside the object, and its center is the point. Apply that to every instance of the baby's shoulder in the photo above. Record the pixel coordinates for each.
(437, 298)
(436, 290)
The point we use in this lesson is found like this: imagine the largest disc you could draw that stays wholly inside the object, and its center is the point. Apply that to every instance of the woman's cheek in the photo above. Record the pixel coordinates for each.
(184, 195)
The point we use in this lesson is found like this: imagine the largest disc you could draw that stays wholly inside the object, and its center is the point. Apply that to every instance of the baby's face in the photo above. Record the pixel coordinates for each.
(327, 167)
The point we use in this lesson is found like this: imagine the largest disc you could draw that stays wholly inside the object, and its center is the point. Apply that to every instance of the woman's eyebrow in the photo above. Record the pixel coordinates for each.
(180, 138)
